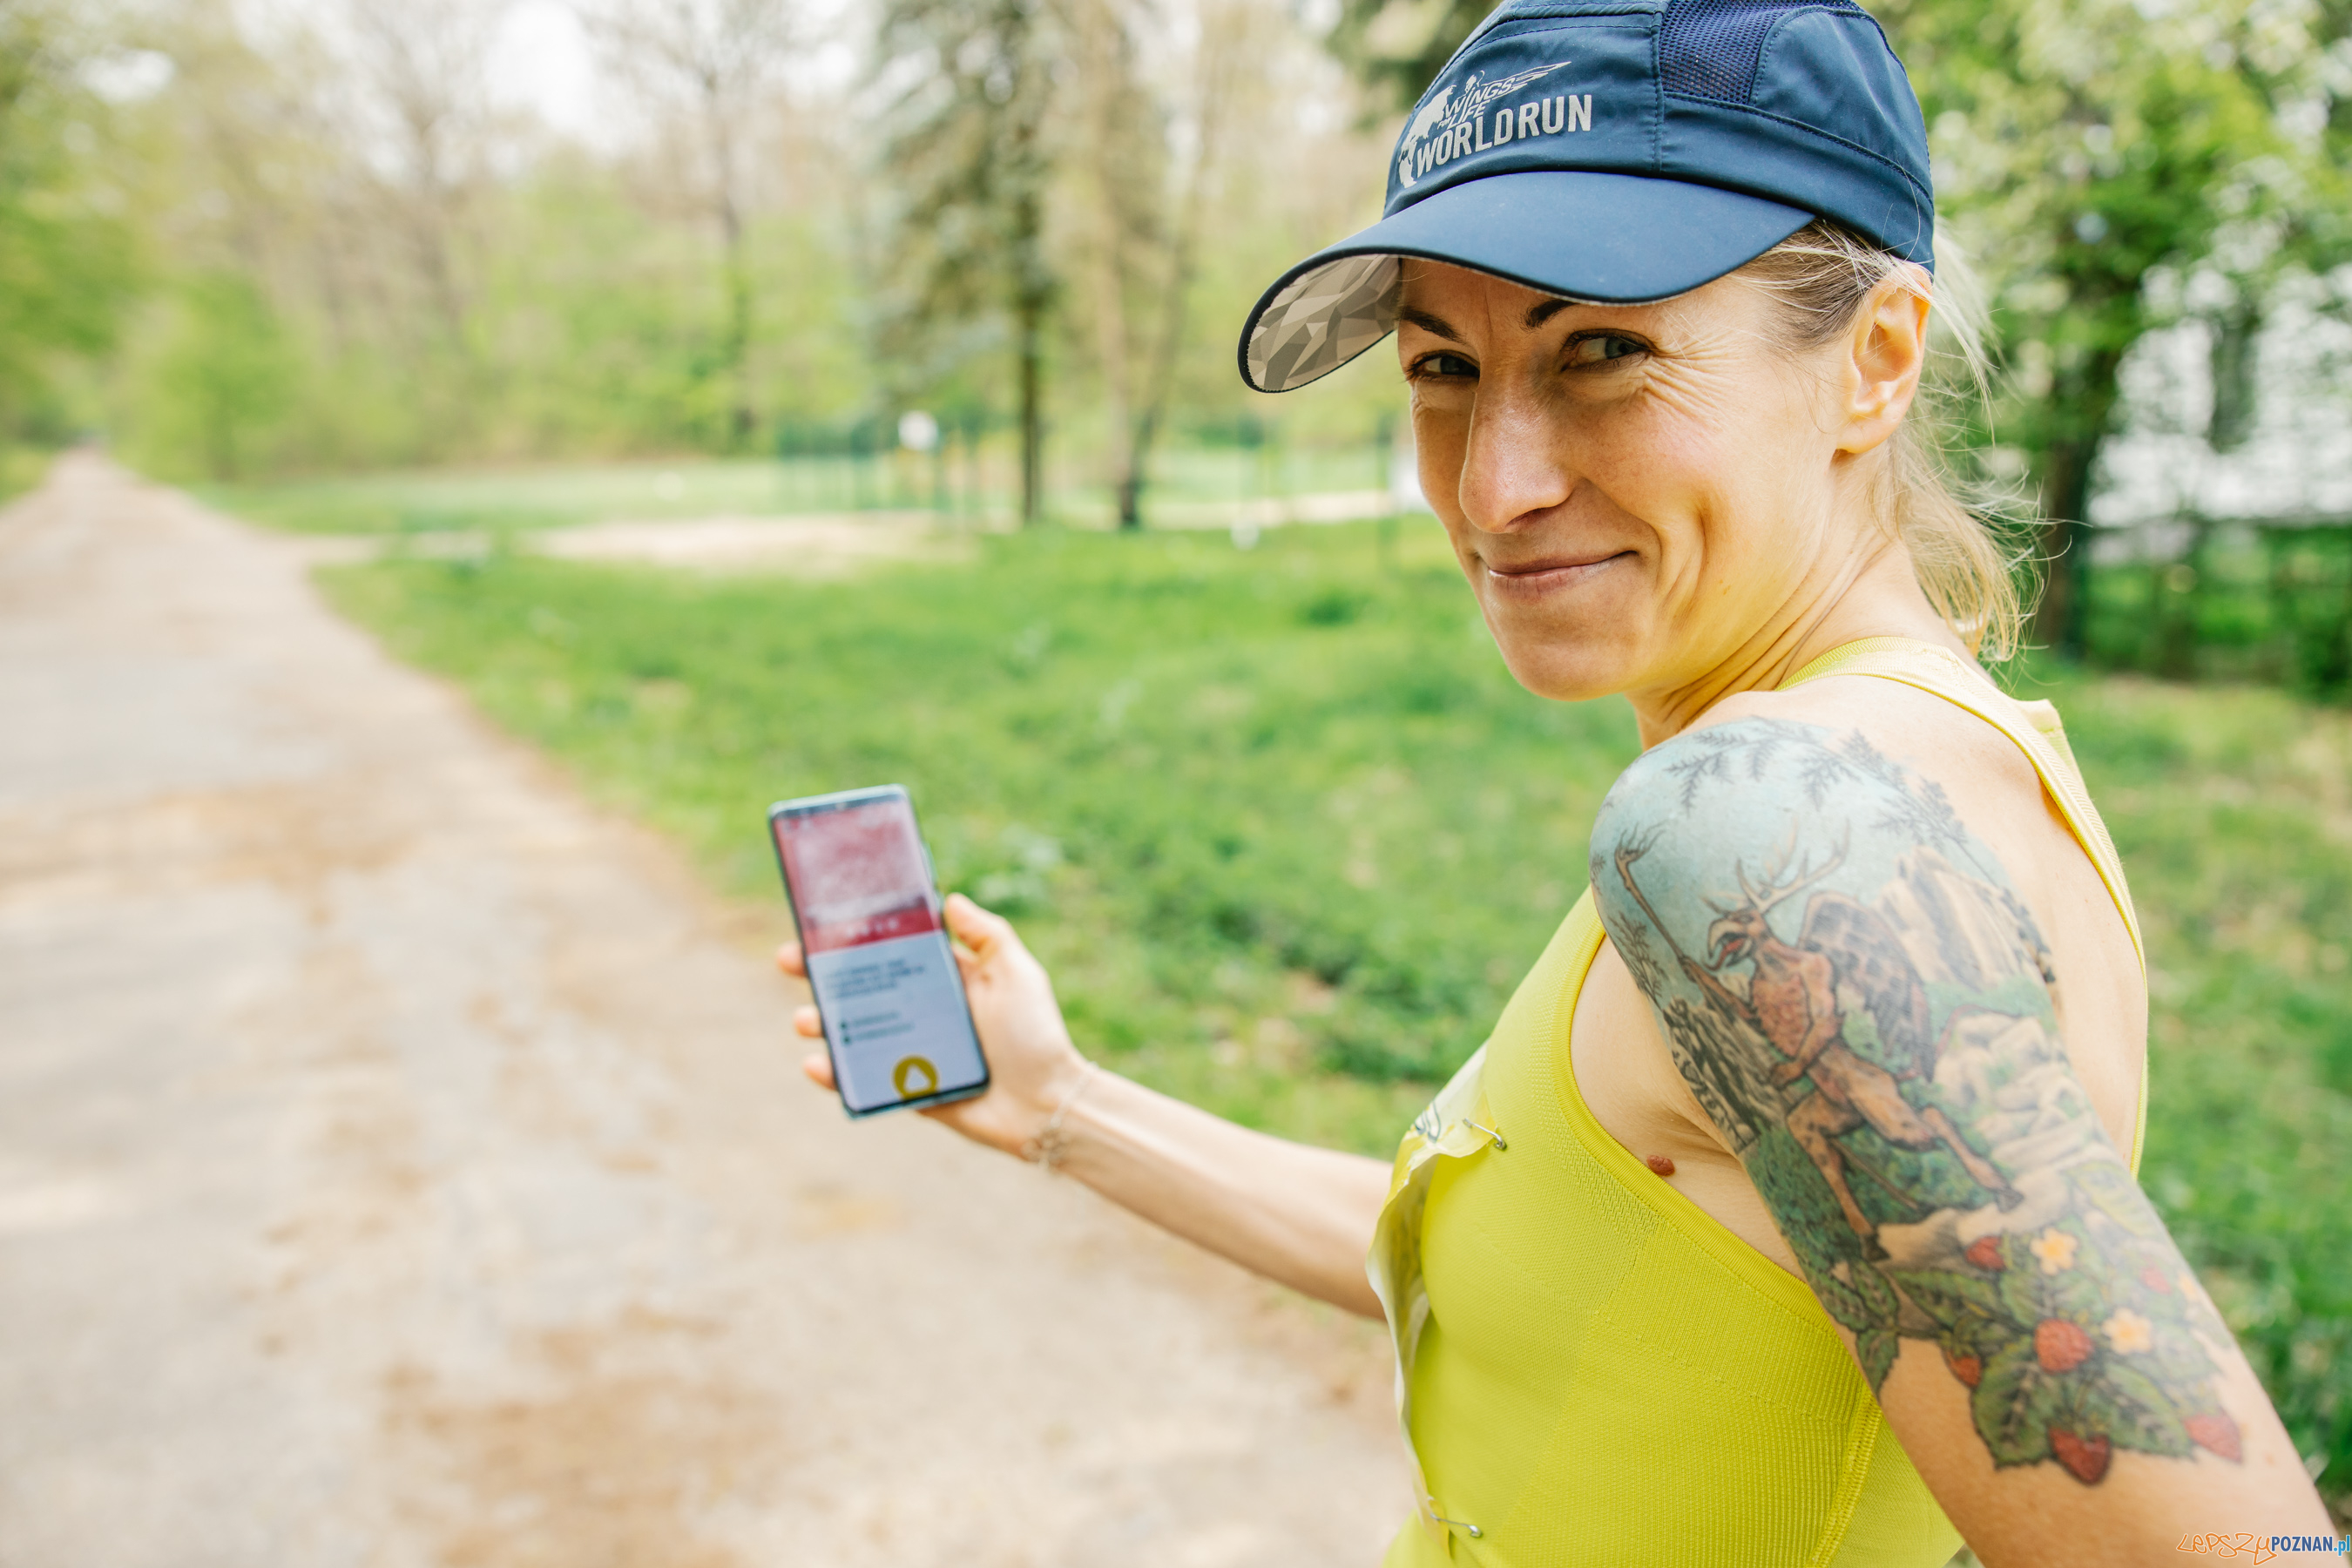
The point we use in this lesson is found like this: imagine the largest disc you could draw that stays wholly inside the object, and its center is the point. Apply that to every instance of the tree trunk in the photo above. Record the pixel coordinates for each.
(2060, 619)
(1176, 291)
(740, 417)
(1032, 328)
(2084, 400)
(1220, 54)
(1130, 483)
(2335, 663)
(1120, 171)
(736, 348)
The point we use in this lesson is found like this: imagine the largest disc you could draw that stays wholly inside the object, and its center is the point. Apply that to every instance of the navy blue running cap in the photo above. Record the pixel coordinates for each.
(1619, 152)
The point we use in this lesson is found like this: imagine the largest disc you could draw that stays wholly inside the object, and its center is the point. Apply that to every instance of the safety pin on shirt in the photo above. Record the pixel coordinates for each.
(1490, 1133)
(1472, 1530)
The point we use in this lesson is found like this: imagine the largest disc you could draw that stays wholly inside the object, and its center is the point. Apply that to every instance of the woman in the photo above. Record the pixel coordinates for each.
(1788, 1216)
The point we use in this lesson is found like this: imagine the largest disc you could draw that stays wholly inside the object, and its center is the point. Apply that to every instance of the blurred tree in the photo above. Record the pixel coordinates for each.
(339, 165)
(68, 256)
(2115, 165)
(969, 167)
(1150, 149)
(450, 278)
(226, 373)
(1397, 46)
(1122, 137)
(426, 62)
(716, 59)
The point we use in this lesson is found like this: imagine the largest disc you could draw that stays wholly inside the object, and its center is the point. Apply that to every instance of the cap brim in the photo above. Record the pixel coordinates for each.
(1617, 239)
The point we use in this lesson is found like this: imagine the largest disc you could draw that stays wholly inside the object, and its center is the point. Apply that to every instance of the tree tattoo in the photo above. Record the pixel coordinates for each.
(1892, 1079)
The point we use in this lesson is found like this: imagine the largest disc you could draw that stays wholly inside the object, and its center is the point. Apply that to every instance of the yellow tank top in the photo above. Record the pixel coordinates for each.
(1592, 1370)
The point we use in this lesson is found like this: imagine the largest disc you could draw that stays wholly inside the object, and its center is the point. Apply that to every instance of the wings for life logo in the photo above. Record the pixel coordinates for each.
(1458, 122)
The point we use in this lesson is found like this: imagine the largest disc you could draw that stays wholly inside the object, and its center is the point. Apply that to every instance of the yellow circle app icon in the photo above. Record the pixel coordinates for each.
(915, 1076)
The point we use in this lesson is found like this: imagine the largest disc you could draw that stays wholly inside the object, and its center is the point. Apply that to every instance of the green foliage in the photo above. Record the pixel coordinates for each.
(225, 377)
(67, 260)
(1397, 46)
(2274, 605)
(2096, 155)
(973, 165)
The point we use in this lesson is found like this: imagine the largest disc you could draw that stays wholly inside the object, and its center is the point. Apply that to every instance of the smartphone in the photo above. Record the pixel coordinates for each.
(867, 909)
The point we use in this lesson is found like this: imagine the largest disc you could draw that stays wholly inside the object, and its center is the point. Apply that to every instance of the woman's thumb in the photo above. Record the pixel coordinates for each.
(976, 928)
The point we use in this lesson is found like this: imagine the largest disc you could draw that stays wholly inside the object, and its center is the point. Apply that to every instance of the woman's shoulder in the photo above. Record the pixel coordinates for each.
(1879, 729)
(1843, 760)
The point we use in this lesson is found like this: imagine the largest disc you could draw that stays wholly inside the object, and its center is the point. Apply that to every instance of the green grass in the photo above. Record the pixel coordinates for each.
(1288, 833)
(500, 499)
(520, 499)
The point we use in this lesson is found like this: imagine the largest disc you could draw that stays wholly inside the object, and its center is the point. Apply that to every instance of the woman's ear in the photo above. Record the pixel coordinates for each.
(1889, 350)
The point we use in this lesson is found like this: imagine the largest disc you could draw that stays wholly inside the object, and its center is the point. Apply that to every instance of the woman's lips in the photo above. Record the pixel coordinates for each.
(1535, 579)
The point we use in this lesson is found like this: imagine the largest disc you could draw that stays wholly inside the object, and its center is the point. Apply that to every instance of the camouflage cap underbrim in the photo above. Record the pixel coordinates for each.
(1322, 319)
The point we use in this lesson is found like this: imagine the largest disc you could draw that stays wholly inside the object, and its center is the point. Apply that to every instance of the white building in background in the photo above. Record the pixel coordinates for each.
(2159, 473)
(1404, 475)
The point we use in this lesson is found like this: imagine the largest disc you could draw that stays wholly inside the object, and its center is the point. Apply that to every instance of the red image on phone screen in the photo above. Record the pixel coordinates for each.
(856, 875)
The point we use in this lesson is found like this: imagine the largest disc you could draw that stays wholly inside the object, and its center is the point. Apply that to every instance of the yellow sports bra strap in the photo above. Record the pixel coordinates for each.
(1959, 681)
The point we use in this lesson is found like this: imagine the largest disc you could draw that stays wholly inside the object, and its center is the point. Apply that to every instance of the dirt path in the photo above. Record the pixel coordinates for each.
(400, 1163)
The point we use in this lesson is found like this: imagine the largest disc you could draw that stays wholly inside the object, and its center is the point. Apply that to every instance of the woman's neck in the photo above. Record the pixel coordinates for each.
(1871, 596)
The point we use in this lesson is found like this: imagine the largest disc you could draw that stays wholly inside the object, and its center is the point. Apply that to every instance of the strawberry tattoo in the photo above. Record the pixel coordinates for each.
(2086, 1458)
(2216, 1433)
(2061, 1346)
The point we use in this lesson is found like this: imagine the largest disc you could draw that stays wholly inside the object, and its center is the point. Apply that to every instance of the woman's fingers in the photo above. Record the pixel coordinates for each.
(819, 1069)
(806, 1023)
(986, 934)
(788, 960)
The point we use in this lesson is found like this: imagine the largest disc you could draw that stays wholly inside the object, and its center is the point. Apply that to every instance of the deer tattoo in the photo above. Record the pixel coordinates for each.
(1793, 1001)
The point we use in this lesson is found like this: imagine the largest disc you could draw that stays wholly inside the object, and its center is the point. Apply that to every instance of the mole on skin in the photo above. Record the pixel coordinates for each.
(1660, 1163)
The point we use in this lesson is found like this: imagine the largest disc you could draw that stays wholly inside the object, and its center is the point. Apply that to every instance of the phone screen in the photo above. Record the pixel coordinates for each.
(896, 1023)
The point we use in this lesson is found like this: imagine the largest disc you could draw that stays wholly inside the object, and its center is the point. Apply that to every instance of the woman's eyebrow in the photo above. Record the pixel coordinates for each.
(1545, 311)
(1429, 323)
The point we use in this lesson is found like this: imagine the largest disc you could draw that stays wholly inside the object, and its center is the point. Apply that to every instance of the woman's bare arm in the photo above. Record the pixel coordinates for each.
(1297, 1214)
(1865, 1009)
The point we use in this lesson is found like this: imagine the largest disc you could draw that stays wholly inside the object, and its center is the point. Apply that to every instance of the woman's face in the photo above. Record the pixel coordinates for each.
(1634, 492)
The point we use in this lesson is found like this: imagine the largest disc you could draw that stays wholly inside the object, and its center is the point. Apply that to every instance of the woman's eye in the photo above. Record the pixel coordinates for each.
(1444, 367)
(1600, 348)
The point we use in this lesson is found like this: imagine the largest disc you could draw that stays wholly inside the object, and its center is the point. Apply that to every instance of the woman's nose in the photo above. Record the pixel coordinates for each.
(1513, 469)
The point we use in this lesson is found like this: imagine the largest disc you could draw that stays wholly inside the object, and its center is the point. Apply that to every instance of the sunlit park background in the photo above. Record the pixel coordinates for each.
(918, 315)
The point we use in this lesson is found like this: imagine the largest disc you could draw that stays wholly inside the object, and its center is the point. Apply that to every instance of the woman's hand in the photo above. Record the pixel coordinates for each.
(1033, 1067)
(1298, 1214)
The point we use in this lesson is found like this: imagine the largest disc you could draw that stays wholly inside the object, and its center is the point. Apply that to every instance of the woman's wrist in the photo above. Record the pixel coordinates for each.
(1050, 1144)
